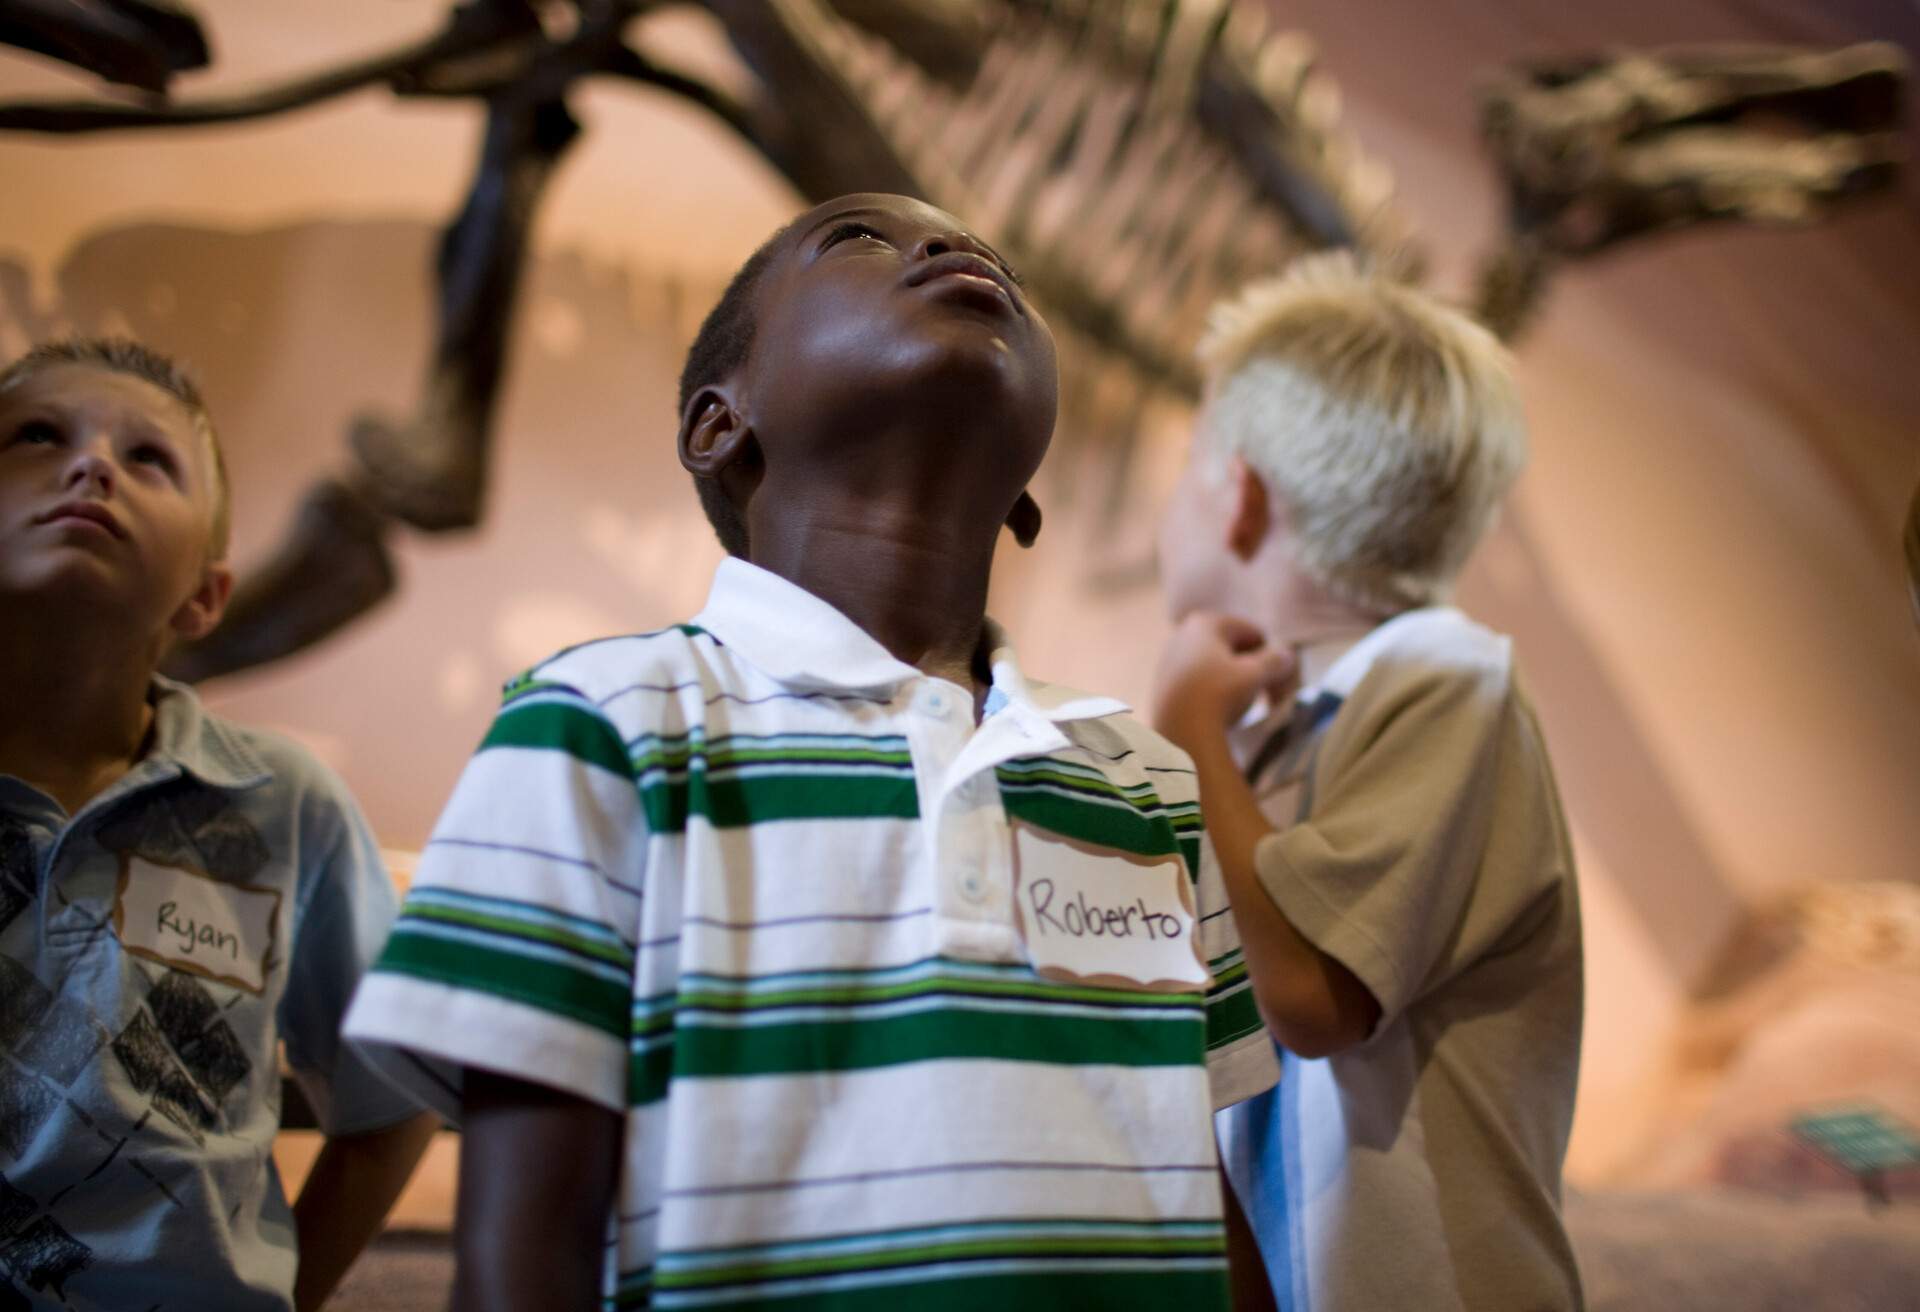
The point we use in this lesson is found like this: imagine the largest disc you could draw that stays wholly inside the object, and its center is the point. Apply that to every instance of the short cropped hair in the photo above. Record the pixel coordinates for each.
(1387, 422)
(721, 346)
(126, 356)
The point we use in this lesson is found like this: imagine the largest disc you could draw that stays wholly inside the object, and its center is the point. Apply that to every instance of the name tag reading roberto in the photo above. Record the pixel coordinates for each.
(193, 922)
(1093, 915)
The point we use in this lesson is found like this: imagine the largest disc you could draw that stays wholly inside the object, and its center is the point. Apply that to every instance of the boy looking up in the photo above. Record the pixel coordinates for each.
(178, 895)
(1390, 832)
(809, 954)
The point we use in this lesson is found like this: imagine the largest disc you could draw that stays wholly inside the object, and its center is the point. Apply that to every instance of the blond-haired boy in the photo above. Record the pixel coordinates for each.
(1387, 821)
(179, 896)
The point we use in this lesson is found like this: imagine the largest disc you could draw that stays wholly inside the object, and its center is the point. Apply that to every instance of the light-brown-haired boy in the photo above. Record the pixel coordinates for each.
(179, 896)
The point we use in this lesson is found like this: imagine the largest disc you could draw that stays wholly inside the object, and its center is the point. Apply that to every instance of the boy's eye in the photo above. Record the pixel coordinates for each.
(36, 432)
(843, 231)
(158, 456)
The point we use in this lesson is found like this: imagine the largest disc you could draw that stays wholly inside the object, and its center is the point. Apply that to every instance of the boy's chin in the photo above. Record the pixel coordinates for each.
(967, 356)
(1180, 595)
(1178, 608)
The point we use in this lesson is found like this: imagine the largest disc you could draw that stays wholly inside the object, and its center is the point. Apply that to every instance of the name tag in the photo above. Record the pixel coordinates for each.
(188, 921)
(1093, 915)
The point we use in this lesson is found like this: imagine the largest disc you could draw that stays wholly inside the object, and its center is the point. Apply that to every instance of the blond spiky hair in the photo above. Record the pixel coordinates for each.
(1387, 422)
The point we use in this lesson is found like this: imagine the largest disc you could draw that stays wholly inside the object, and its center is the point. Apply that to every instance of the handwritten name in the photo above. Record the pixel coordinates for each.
(193, 935)
(1078, 917)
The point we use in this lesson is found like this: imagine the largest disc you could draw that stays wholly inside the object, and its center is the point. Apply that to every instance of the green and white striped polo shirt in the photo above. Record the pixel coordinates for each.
(749, 881)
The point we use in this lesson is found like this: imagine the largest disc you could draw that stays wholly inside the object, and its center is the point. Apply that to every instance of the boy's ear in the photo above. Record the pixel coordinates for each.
(1024, 519)
(200, 613)
(714, 435)
(1251, 516)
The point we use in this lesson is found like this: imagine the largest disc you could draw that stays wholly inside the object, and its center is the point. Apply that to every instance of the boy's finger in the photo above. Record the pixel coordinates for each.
(1283, 665)
(1238, 634)
(1252, 670)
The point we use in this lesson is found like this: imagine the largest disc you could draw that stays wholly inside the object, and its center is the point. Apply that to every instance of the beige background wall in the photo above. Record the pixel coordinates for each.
(1700, 567)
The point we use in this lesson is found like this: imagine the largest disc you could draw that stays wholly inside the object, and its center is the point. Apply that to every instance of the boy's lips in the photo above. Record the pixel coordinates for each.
(91, 512)
(968, 266)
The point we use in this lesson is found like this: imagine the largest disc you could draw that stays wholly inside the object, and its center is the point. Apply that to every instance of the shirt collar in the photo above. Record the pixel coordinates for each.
(200, 744)
(1330, 668)
(1348, 667)
(804, 643)
(1052, 701)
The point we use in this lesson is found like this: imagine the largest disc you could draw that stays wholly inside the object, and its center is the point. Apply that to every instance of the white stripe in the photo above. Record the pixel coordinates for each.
(894, 1121)
(457, 1028)
(653, 776)
(697, 744)
(541, 799)
(717, 1018)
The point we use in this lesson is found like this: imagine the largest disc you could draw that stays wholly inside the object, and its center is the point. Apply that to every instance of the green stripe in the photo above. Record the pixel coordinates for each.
(666, 747)
(1100, 823)
(1232, 1019)
(679, 757)
(1023, 1227)
(1229, 1019)
(611, 953)
(649, 1072)
(736, 803)
(1045, 769)
(548, 985)
(810, 1046)
(718, 756)
(1146, 1290)
(634, 1291)
(566, 727)
(952, 1250)
(525, 685)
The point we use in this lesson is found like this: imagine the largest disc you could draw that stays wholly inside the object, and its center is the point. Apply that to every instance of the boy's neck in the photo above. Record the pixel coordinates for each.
(916, 586)
(1304, 615)
(76, 715)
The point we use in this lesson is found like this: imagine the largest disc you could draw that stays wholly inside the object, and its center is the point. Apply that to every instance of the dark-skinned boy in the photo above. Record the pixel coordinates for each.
(715, 951)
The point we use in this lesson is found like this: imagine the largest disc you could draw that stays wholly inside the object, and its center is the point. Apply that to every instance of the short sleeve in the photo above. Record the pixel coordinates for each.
(342, 923)
(1241, 1061)
(1387, 873)
(514, 948)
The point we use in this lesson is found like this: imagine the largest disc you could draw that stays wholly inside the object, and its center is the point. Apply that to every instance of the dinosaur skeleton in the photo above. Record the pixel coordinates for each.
(1138, 158)
(1597, 152)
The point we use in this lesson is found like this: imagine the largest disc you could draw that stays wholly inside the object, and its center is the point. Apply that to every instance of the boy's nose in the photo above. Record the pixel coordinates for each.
(89, 470)
(940, 243)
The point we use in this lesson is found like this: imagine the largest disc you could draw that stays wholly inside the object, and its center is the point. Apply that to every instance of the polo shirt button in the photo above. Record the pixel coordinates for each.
(973, 886)
(935, 702)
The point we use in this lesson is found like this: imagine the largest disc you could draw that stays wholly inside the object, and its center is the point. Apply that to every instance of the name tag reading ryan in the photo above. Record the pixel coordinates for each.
(1093, 915)
(193, 922)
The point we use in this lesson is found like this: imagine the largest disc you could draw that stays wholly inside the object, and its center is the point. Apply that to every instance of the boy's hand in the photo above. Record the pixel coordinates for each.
(1212, 669)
